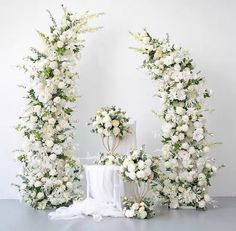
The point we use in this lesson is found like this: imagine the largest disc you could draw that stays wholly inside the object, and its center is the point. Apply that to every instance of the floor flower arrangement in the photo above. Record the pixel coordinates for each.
(140, 171)
(111, 123)
(51, 174)
(185, 169)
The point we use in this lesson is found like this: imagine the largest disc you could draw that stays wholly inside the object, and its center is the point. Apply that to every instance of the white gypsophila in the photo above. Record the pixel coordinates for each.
(184, 174)
(51, 175)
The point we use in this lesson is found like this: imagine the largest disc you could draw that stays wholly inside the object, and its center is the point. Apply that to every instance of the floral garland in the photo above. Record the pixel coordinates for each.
(185, 170)
(51, 175)
(111, 123)
(140, 171)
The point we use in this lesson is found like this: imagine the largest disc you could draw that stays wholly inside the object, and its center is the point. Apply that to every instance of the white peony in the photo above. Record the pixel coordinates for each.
(129, 213)
(131, 167)
(141, 174)
(116, 131)
(141, 164)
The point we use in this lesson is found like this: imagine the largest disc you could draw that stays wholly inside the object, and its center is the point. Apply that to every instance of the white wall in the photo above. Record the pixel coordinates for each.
(109, 73)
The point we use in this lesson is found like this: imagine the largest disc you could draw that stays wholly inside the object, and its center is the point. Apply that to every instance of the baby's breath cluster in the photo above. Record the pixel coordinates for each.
(186, 170)
(51, 175)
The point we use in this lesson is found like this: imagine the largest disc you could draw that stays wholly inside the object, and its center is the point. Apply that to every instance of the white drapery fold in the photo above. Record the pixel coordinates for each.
(104, 192)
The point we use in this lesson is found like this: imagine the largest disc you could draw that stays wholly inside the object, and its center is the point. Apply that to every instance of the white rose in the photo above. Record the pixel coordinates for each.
(57, 100)
(107, 125)
(69, 185)
(175, 139)
(185, 145)
(49, 143)
(131, 167)
(53, 157)
(116, 131)
(132, 175)
(61, 85)
(168, 60)
(140, 174)
(185, 118)
(129, 213)
(181, 136)
(33, 119)
(57, 149)
(191, 150)
(63, 123)
(180, 110)
(100, 131)
(53, 172)
(37, 109)
(148, 171)
(208, 165)
(214, 168)
(40, 195)
(148, 162)
(143, 214)
(53, 65)
(184, 128)
(51, 121)
(106, 119)
(56, 72)
(37, 184)
(60, 44)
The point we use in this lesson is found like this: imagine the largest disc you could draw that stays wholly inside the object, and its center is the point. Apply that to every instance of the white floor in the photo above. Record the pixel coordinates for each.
(15, 216)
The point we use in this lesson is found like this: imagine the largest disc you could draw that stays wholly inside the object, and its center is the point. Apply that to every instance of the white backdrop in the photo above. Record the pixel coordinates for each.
(109, 73)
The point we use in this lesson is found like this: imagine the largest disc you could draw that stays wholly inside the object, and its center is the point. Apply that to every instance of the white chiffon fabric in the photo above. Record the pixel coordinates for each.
(104, 192)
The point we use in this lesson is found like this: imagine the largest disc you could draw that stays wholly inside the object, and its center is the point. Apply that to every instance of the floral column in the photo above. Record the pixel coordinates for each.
(185, 169)
(51, 175)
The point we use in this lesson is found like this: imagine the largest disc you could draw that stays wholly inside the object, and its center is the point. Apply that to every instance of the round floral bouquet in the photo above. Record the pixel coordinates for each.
(142, 210)
(138, 166)
(111, 123)
(140, 171)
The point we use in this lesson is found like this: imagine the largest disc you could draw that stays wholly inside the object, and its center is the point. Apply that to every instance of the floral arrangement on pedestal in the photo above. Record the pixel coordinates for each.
(51, 175)
(140, 171)
(111, 123)
(185, 169)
